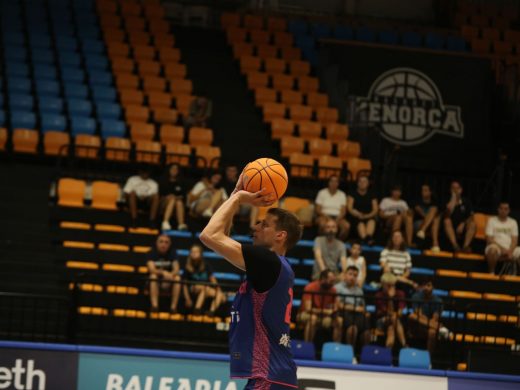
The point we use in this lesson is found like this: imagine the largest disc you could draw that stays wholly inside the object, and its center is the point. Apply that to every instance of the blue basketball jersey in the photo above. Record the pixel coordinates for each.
(259, 341)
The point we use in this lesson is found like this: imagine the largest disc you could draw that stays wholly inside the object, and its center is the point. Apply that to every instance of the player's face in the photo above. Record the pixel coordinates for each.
(264, 232)
(163, 244)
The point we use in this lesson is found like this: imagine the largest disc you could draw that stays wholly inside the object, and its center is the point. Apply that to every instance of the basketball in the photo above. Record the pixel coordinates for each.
(265, 173)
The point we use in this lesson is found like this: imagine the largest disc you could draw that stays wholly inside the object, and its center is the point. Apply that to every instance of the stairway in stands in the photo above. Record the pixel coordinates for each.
(237, 127)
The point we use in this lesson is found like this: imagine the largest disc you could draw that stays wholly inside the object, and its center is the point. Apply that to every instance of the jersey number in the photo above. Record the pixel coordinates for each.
(289, 308)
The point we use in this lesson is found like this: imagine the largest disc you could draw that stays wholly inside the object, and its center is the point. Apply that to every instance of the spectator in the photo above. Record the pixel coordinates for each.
(231, 176)
(331, 202)
(424, 321)
(173, 191)
(502, 238)
(141, 191)
(458, 219)
(393, 210)
(329, 252)
(352, 306)
(390, 303)
(199, 113)
(163, 270)
(362, 210)
(396, 260)
(425, 217)
(319, 307)
(356, 260)
(206, 196)
(197, 270)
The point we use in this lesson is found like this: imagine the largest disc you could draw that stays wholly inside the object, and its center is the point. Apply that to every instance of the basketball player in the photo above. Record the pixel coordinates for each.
(259, 340)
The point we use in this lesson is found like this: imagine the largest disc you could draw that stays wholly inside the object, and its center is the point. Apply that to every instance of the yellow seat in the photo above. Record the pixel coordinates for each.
(141, 249)
(118, 267)
(81, 265)
(480, 223)
(90, 287)
(481, 316)
(71, 192)
(78, 244)
(469, 256)
(74, 225)
(122, 290)
(54, 143)
(97, 311)
(452, 273)
(25, 141)
(498, 297)
(130, 313)
(105, 195)
(113, 247)
(429, 252)
(483, 275)
(465, 294)
(109, 228)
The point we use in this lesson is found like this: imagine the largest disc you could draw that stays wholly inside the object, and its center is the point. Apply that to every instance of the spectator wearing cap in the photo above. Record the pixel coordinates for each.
(390, 303)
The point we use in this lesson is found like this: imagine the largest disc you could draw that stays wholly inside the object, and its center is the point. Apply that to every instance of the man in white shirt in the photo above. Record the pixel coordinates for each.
(331, 203)
(206, 196)
(393, 211)
(141, 191)
(502, 238)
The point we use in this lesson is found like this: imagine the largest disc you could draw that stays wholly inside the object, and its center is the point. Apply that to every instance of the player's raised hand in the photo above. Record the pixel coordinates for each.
(258, 199)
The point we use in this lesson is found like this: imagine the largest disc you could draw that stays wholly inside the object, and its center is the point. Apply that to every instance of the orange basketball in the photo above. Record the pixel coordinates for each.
(265, 173)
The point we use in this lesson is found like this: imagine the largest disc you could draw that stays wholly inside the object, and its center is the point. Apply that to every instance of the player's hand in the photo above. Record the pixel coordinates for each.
(258, 199)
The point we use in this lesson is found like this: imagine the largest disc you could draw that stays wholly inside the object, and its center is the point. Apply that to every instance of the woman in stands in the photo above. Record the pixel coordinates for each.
(173, 191)
(198, 270)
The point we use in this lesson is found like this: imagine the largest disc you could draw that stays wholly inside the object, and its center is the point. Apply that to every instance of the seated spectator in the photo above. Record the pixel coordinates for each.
(231, 175)
(319, 307)
(458, 220)
(331, 202)
(329, 252)
(362, 210)
(427, 310)
(199, 113)
(352, 306)
(502, 239)
(141, 191)
(163, 268)
(198, 270)
(397, 261)
(425, 217)
(173, 191)
(393, 210)
(390, 303)
(356, 260)
(206, 196)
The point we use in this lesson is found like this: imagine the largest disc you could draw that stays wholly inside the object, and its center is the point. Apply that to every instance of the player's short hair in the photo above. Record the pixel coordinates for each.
(353, 268)
(288, 222)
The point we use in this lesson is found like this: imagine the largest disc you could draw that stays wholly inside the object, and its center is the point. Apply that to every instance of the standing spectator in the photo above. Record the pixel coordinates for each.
(319, 307)
(329, 252)
(141, 191)
(502, 238)
(396, 260)
(198, 270)
(458, 219)
(424, 321)
(356, 260)
(362, 210)
(173, 191)
(331, 202)
(199, 113)
(163, 269)
(390, 303)
(393, 210)
(425, 217)
(352, 306)
(206, 196)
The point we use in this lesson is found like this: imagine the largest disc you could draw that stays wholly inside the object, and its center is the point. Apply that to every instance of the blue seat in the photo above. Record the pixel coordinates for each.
(108, 111)
(336, 352)
(311, 55)
(15, 53)
(16, 69)
(92, 46)
(103, 94)
(42, 56)
(69, 58)
(66, 43)
(80, 125)
(47, 88)
(455, 43)
(100, 77)
(19, 84)
(1, 99)
(414, 358)
(74, 90)
(300, 282)
(2, 118)
(305, 42)
(13, 38)
(89, 31)
(79, 107)
(44, 72)
(343, 32)
(434, 41)
(376, 355)
(23, 119)
(72, 75)
(226, 276)
(320, 30)
(411, 39)
(53, 122)
(112, 128)
(389, 37)
(365, 34)
(40, 41)
(303, 350)
(18, 101)
(65, 31)
(50, 105)
(95, 61)
(297, 26)
(422, 271)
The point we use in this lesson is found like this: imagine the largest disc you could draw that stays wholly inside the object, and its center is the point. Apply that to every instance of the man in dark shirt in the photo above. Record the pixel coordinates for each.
(458, 219)
(163, 269)
(362, 210)
(424, 216)
(173, 194)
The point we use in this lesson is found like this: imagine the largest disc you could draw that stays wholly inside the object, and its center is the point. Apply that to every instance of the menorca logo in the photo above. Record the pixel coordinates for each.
(408, 107)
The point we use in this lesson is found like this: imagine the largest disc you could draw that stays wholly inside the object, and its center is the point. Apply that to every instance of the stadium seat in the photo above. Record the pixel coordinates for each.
(267, 51)
(122, 65)
(79, 107)
(455, 43)
(281, 127)
(21, 101)
(105, 110)
(301, 165)
(159, 99)
(147, 68)
(283, 39)
(105, 195)
(86, 146)
(290, 145)
(101, 93)
(165, 115)
(136, 113)
(175, 71)
(3, 138)
(54, 143)
(154, 83)
(329, 165)
(273, 111)
(275, 66)
(148, 152)
(414, 358)
(181, 87)
(309, 130)
(178, 153)
(434, 41)
(348, 149)
(229, 19)
(253, 21)
(100, 77)
(169, 55)
(259, 37)
(44, 72)
(358, 166)
(276, 23)
(25, 141)
(365, 34)
(303, 350)
(498, 297)
(71, 192)
(481, 222)
(308, 84)
(200, 136)
(171, 134)
(128, 96)
(327, 115)
(257, 80)
(376, 355)
(411, 39)
(142, 131)
(241, 49)
(299, 112)
(112, 128)
(50, 105)
(319, 147)
(117, 149)
(96, 62)
(18, 85)
(465, 294)
(481, 46)
(389, 37)
(80, 125)
(291, 53)
(23, 119)
(183, 103)
(72, 75)
(336, 132)
(336, 352)
(265, 95)
(208, 156)
(53, 122)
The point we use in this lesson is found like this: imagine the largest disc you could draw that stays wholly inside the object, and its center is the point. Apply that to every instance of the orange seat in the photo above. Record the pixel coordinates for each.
(109, 20)
(87, 146)
(55, 143)
(257, 79)
(159, 99)
(299, 112)
(319, 147)
(250, 64)
(141, 131)
(149, 68)
(317, 100)
(329, 165)
(117, 49)
(301, 165)
(134, 25)
(276, 23)
(183, 103)
(138, 38)
(229, 19)
(159, 26)
(481, 21)
(253, 22)
(502, 48)
(490, 33)
(480, 223)
(272, 111)
(127, 81)
(71, 192)
(512, 36)
(281, 128)
(122, 65)
(25, 141)
(299, 68)
(178, 153)
(117, 149)
(264, 95)
(267, 51)
(148, 152)
(114, 34)
(154, 83)
(309, 130)
(130, 97)
(236, 35)
(200, 136)
(136, 113)
(483, 276)
(105, 195)
(241, 49)
(295, 204)
(163, 39)
(336, 132)
(3, 138)
(106, 7)
(481, 46)
(469, 32)
(130, 9)
(165, 115)
(290, 145)
(181, 87)
(154, 11)
(465, 294)
(282, 81)
(171, 134)
(207, 156)
(291, 53)
(308, 84)
(348, 149)
(358, 167)
(283, 39)
(275, 65)
(291, 97)
(144, 52)
(451, 273)
(498, 297)
(259, 37)
(327, 115)
(169, 54)
(175, 71)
